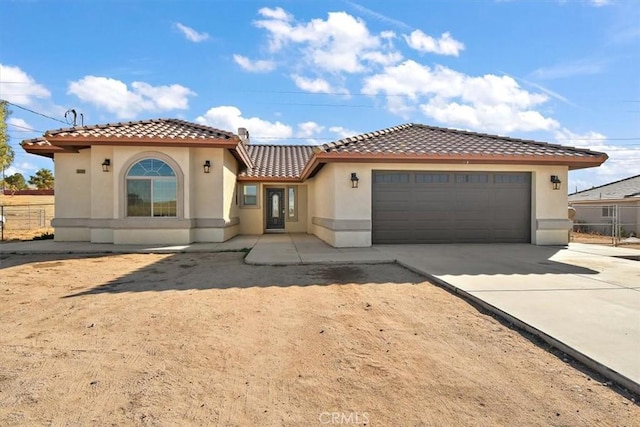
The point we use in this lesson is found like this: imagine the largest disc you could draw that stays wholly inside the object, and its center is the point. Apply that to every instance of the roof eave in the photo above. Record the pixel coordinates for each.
(269, 179)
(572, 163)
(47, 150)
(125, 141)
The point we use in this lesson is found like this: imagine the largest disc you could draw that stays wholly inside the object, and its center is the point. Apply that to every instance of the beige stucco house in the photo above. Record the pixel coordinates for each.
(169, 181)
(616, 204)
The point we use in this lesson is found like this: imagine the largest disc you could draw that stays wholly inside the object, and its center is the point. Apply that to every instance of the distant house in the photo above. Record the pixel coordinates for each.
(169, 181)
(598, 208)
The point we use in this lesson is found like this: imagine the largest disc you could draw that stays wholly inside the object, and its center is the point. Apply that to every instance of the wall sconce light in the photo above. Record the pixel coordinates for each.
(354, 180)
(105, 165)
(556, 182)
(207, 166)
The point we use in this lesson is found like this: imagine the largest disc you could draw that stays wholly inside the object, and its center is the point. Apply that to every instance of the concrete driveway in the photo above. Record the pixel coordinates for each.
(582, 297)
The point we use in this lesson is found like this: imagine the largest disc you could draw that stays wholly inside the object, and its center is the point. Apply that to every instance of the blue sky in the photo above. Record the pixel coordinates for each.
(313, 71)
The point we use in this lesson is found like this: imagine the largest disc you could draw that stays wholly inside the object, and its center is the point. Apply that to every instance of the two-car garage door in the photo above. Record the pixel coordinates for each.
(451, 207)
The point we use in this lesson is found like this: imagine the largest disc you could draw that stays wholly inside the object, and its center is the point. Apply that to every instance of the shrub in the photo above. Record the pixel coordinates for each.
(44, 236)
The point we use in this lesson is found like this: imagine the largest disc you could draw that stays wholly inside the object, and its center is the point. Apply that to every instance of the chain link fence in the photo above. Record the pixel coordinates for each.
(615, 224)
(27, 221)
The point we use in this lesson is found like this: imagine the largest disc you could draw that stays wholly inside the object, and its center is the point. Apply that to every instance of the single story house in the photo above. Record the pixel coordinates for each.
(599, 208)
(169, 181)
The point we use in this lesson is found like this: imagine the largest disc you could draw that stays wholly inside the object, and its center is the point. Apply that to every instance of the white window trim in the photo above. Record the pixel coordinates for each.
(122, 196)
(294, 217)
(241, 195)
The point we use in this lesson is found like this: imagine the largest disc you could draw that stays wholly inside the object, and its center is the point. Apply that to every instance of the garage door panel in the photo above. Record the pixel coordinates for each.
(425, 218)
(451, 207)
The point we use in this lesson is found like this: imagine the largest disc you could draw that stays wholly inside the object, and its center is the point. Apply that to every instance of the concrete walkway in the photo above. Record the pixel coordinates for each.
(581, 299)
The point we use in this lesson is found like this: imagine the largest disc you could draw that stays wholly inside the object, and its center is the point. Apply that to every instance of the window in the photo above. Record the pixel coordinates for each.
(607, 211)
(391, 178)
(151, 189)
(250, 195)
(292, 211)
(509, 178)
(472, 178)
(432, 178)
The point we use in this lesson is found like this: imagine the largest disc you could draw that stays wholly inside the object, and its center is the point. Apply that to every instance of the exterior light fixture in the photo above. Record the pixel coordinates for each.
(354, 180)
(105, 165)
(207, 166)
(556, 182)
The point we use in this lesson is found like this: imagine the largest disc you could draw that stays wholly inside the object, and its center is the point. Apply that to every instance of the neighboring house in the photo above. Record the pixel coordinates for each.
(599, 207)
(173, 182)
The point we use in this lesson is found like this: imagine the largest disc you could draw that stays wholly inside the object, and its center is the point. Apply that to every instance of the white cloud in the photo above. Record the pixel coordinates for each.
(115, 97)
(309, 129)
(501, 119)
(489, 103)
(191, 34)
(343, 132)
(258, 66)
(278, 14)
(586, 140)
(20, 88)
(622, 163)
(19, 123)
(341, 43)
(445, 45)
(230, 118)
(24, 168)
(318, 85)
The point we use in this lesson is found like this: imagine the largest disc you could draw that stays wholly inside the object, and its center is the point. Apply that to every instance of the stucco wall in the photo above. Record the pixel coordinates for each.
(73, 173)
(341, 215)
(253, 218)
(92, 206)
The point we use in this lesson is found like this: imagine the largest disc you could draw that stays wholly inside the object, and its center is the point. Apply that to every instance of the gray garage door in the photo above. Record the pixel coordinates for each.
(451, 207)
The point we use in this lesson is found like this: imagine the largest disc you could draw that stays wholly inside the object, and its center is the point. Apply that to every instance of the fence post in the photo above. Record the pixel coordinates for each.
(616, 223)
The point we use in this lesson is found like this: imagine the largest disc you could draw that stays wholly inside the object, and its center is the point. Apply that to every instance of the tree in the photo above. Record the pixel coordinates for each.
(6, 152)
(43, 179)
(15, 182)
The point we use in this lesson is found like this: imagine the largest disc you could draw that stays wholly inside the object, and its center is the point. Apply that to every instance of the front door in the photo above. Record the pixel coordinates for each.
(275, 208)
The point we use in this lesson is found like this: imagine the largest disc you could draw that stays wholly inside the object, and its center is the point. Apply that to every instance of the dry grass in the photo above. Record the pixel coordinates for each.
(598, 239)
(26, 215)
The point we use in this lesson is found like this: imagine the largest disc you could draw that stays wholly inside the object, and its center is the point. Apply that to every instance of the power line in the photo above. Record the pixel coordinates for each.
(34, 112)
(315, 105)
(26, 129)
(599, 139)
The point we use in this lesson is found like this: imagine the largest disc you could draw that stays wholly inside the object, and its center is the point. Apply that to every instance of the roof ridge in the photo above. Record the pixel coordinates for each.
(198, 126)
(360, 137)
(281, 145)
(505, 138)
(103, 125)
(140, 122)
(605, 185)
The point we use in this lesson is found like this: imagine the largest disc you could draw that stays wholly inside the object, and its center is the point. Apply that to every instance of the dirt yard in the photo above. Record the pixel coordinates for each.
(202, 339)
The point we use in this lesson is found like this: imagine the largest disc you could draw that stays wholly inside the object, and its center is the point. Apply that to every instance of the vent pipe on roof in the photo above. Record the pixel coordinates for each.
(243, 133)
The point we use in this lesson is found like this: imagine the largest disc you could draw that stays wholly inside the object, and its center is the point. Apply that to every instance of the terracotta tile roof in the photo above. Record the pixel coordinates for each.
(163, 132)
(408, 142)
(417, 139)
(278, 161)
(155, 128)
(622, 189)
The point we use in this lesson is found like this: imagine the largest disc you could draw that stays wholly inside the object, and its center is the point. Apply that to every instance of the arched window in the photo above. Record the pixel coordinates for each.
(151, 189)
